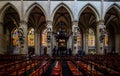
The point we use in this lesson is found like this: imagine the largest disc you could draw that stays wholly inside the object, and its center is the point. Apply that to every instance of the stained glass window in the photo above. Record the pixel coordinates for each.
(15, 37)
(31, 37)
(106, 40)
(79, 39)
(44, 38)
(91, 38)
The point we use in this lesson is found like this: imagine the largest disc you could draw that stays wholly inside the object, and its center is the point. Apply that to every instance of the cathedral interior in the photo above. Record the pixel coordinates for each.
(59, 37)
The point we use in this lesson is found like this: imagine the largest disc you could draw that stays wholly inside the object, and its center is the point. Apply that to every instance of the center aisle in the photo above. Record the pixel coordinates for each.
(65, 69)
(50, 69)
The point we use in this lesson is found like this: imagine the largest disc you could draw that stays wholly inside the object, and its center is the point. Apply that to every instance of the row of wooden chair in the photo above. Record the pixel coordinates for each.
(9, 62)
(11, 58)
(24, 66)
(75, 71)
(41, 69)
(88, 69)
(103, 63)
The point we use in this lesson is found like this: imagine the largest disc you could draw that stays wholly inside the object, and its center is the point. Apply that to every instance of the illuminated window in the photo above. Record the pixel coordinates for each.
(15, 37)
(79, 39)
(31, 37)
(44, 38)
(106, 40)
(91, 38)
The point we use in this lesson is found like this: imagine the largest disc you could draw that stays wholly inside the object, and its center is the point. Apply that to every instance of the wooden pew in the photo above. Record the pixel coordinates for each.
(88, 69)
(75, 71)
(103, 63)
(41, 68)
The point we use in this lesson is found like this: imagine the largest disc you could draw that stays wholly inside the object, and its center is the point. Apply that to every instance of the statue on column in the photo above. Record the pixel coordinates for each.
(102, 32)
(48, 35)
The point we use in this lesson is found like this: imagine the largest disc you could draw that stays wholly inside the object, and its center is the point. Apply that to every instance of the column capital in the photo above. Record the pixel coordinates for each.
(75, 22)
(100, 22)
(23, 22)
(49, 22)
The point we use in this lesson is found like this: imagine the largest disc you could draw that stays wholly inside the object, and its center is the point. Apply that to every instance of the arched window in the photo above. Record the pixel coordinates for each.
(15, 38)
(31, 37)
(106, 40)
(44, 38)
(79, 39)
(91, 39)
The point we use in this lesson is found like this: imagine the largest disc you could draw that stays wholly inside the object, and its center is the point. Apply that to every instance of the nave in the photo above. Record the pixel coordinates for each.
(45, 65)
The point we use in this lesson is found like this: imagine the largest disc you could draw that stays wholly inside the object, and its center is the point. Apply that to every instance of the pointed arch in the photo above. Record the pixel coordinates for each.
(66, 7)
(116, 9)
(31, 7)
(97, 15)
(115, 6)
(5, 7)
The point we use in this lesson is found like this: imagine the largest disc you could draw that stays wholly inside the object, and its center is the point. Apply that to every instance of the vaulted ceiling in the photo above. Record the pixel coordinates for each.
(11, 19)
(62, 19)
(112, 20)
(37, 19)
(87, 19)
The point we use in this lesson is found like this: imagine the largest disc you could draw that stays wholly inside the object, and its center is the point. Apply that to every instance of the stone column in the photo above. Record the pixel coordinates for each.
(23, 47)
(2, 51)
(100, 37)
(69, 43)
(54, 41)
(85, 42)
(75, 31)
(49, 38)
(117, 45)
(41, 47)
(37, 43)
(38, 51)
